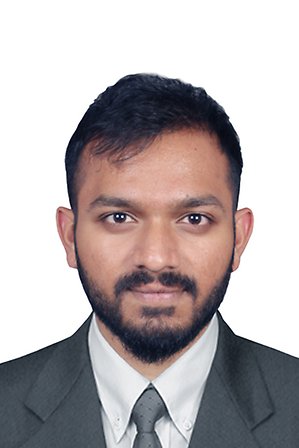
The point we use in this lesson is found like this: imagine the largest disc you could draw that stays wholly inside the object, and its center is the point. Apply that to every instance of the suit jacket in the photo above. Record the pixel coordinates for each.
(48, 399)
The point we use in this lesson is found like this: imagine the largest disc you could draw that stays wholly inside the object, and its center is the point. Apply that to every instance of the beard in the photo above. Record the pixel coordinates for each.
(149, 342)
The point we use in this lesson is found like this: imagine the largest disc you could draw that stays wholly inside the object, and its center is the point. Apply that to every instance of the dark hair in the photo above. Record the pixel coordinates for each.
(129, 115)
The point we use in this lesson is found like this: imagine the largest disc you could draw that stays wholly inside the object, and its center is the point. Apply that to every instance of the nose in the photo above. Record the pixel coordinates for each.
(157, 248)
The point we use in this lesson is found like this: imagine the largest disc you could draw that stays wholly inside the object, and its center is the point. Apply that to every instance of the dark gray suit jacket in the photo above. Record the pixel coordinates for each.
(49, 398)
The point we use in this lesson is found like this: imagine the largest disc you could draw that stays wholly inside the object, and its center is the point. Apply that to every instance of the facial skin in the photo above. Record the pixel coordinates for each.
(168, 209)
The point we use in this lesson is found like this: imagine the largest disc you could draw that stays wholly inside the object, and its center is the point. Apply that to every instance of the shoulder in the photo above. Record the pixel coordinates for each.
(279, 368)
(16, 380)
(33, 385)
(244, 361)
(17, 375)
(236, 347)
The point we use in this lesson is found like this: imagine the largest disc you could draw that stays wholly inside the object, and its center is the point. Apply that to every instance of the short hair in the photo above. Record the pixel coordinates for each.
(138, 108)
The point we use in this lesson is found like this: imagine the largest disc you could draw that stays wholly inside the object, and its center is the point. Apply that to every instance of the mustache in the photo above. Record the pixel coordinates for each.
(139, 278)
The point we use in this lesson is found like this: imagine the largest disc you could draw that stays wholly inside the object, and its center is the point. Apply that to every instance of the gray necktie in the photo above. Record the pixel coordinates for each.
(148, 409)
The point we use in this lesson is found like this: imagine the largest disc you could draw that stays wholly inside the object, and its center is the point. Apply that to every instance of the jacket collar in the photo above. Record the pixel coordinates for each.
(65, 398)
(59, 374)
(240, 372)
(236, 399)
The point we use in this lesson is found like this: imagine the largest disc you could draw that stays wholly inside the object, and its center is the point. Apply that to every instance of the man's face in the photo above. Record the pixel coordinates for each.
(154, 241)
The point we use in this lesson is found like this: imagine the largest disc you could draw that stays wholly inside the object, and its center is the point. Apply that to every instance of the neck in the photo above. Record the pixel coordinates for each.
(148, 370)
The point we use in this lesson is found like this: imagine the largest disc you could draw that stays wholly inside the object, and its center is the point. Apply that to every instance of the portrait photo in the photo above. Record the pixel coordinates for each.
(149, 189)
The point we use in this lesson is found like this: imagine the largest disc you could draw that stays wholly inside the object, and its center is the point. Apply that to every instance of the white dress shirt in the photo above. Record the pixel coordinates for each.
(181, 386)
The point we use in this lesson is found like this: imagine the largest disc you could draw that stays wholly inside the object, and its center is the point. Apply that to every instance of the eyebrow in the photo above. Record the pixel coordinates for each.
(189, 202)
(109, 201)
(200, 201)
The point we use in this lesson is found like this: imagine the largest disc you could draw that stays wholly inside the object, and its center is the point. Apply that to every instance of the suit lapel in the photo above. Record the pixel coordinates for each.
(236, 399)
(65, 399)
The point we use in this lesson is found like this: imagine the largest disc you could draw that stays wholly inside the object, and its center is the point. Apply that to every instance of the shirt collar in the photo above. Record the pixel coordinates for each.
(118, 384)
(113, 375)
(190, 373)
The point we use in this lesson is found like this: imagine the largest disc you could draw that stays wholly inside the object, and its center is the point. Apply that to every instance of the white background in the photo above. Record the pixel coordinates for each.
(57, 56)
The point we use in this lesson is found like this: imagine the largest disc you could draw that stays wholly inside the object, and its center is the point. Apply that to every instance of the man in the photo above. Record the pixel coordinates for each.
(153, 174)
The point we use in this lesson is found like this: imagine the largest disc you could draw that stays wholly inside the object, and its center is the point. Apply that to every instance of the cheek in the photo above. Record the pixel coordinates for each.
(103, 258)
(102, 247)
(210, 262)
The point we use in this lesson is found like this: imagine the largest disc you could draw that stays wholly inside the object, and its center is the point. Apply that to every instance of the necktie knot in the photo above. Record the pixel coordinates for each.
(148, 409)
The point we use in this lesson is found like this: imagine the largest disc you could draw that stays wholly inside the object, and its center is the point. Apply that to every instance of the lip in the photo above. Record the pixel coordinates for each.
(156, 294)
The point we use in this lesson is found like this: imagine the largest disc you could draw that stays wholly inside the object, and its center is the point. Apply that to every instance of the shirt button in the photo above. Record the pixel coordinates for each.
(117, 422)
(187, 425)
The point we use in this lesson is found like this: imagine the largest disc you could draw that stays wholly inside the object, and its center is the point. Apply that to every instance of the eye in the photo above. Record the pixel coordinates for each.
(196, 219)
(118, 218)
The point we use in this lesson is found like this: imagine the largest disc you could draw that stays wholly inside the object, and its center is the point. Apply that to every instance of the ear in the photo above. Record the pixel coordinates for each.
(65, 225)
(243, 229)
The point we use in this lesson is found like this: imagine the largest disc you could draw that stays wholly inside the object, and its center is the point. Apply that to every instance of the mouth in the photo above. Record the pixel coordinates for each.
(156, 294)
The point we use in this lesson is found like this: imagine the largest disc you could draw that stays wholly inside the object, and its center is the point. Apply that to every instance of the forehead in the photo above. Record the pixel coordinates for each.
(174, 165)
